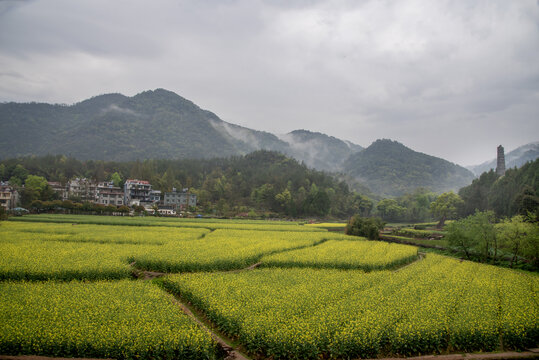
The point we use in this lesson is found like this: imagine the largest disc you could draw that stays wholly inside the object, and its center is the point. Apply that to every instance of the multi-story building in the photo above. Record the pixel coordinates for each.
(9, 197)
(180, 200)
(155, 196)
(108, 194)
(82, 189)
(61, 190)
(136, 192)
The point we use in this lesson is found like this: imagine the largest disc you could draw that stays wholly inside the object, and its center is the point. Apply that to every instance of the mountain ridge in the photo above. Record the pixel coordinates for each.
(389, 168)
(162, 124)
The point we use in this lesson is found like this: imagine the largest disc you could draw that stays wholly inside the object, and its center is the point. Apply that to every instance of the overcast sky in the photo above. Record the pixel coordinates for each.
(452, 79)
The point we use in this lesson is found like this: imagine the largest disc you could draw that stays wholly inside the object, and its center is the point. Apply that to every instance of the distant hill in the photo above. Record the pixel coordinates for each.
(515, 158)
(389, 168)
(153, 124)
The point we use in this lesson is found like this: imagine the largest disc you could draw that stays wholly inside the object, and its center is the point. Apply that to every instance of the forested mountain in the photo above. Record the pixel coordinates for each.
(515, 192)
(264, 181)
(515, 158)
(160, 124)
(155, 124)
(389, 168)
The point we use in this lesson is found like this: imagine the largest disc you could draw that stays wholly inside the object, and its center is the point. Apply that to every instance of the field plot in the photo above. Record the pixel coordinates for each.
(42, 251)
(311, 303)
(346, 254)
(437, 304)
(212, 224)
(121, 319)
(226, 250)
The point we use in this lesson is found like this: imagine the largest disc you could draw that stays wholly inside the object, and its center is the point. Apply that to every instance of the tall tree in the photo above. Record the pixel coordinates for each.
(445, 207)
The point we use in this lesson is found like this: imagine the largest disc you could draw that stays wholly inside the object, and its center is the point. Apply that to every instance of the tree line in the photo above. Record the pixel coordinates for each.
(261, 183)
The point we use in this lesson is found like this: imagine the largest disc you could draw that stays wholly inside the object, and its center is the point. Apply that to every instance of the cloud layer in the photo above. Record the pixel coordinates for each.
(452, 79)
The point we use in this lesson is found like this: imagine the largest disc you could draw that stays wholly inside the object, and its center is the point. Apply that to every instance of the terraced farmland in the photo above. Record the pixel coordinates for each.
(67, 288)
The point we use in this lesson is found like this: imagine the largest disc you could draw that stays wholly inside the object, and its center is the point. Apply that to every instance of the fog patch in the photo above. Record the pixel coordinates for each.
(238, 133)
(117, 109)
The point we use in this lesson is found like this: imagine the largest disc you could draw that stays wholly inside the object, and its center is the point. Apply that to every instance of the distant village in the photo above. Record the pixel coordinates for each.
(134, 194)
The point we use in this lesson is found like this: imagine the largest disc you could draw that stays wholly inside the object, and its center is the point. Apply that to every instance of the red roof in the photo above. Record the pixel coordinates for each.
(138, 181)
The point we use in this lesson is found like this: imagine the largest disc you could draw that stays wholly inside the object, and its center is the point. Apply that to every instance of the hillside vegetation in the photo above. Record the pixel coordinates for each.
(155, 124)
(391, 169)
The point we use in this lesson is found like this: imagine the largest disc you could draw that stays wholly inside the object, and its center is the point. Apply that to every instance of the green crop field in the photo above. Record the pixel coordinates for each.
(345, 254)
(435, 305)
(119, 319)
(172, 222)
(68, 289)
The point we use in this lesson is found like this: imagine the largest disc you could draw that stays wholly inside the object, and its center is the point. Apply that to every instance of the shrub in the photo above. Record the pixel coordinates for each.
(366, 227)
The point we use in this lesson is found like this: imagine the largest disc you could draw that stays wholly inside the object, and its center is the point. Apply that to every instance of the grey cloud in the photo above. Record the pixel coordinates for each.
(354, 70)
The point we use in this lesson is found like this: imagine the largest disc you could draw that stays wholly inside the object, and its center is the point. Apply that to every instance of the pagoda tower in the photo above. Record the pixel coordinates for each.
(500, 164)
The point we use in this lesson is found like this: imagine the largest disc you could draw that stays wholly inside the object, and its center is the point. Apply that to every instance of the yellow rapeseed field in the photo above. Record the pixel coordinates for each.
(346, 254)
(434, 305)
(120, 319)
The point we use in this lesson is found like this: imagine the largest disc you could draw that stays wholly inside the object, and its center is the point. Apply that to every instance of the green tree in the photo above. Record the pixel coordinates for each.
(445, 207)
(38, 183)
(19, 173)
(519, 237)
(459, 236)
(390, 210)
(116, 179)
(475, 233)
(285, 200)
(366, 227)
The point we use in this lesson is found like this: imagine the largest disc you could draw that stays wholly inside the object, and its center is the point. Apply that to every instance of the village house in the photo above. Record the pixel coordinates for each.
(82, 189)
(9, 197)
(137, 192)
(180, 200)
(108, 194)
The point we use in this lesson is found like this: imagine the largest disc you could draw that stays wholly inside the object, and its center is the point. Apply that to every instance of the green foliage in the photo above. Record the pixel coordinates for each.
(389, 168)
(389, 210)
(366, 227)
(264, 181)
(120, 128)
(445, 207)
(517, 192)
(520, 238)
(476, 233)
(116, 179)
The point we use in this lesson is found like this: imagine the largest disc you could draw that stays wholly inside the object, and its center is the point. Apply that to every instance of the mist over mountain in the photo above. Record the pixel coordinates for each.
(514, 158)
(153, 124)
(160, 124)
(389, 168)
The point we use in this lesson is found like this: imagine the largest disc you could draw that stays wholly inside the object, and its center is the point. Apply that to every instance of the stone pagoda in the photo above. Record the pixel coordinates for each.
(500, 164)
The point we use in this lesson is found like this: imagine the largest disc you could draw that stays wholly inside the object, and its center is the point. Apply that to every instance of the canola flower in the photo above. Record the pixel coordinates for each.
(42, 251)
(121, 320)
(345, 254)
(435, 305)
(212, 224)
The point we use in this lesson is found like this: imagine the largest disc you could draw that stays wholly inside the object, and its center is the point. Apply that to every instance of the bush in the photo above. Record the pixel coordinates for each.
(366, 227)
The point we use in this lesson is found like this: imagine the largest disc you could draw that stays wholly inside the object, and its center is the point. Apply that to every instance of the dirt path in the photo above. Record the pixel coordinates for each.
(528, 354)
(421, 256)
(223, 342)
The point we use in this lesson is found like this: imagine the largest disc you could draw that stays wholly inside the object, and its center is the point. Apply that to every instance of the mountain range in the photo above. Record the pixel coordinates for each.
(160, 124)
